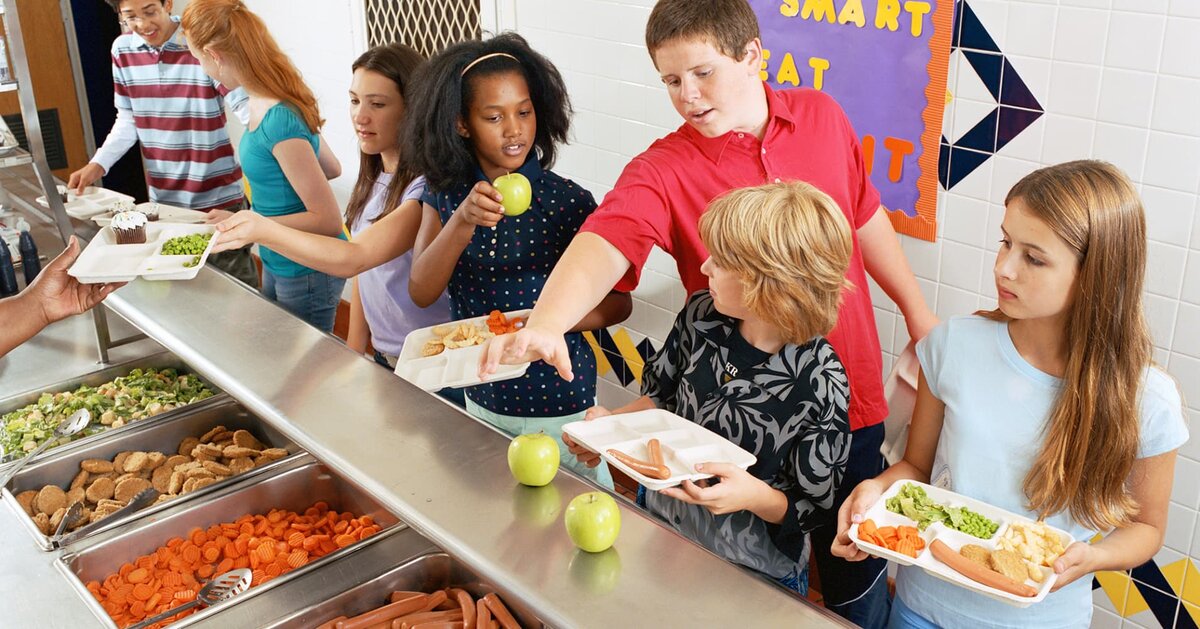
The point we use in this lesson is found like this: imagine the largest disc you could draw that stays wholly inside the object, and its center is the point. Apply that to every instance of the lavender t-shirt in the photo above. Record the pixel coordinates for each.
(390, 312)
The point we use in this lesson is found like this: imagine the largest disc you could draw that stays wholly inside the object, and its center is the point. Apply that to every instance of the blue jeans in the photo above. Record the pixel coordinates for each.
(904, 618)
(313, 297)
(854, 590)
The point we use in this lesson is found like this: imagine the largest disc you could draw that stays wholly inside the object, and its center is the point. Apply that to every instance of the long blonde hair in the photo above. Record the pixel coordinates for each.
(227, 26)
(1091, 439)
(790, 245)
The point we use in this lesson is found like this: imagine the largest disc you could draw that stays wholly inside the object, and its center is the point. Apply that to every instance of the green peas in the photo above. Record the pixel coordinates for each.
(189, 245)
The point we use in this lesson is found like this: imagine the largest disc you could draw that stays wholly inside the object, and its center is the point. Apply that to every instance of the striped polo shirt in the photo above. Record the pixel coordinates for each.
(180, 121)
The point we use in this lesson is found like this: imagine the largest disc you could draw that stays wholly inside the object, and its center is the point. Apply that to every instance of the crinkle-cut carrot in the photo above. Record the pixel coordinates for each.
(343, 541)
(266, 552)
(212, 553)
(142, 592)
(138, 575)
(154, 601)
(297, 558)
(185, 595)
(274, 570)
(274, 516)
(296, 540)
(204, 571)
(137, 609)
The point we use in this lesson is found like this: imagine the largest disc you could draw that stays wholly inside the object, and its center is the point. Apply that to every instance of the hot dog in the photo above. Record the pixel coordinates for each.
(400, 595)
(654, 448)
(385, 613)
(500, 612)
(439, 625)
(435, 599)
(412, 620)
(483, 616)
(977, 572)
(466, 603)
(649, 470)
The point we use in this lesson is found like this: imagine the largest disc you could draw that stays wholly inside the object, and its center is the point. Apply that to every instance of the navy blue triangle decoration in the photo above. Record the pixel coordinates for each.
(969, 31)
(1016, 106)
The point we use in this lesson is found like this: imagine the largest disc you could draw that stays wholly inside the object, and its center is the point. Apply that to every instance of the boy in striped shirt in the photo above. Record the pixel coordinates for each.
(166, 102)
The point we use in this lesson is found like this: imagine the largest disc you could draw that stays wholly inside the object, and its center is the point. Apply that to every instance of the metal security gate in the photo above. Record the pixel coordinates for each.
(427, 25)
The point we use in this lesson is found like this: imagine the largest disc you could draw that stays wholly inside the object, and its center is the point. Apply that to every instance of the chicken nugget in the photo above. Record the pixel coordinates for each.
(976, 553)
(1009, 564)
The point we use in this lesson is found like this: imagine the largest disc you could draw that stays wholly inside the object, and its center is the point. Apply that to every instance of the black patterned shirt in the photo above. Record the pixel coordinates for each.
(789, 409)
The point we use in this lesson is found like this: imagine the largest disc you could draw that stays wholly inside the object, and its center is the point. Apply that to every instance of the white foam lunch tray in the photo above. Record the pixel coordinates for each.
(457, 367)
(684, 444)
(955, 540)
(105, 261)
(93, 201)
(166, 214)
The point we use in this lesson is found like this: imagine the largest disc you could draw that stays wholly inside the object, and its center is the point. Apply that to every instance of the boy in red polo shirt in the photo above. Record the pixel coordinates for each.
(739, 132)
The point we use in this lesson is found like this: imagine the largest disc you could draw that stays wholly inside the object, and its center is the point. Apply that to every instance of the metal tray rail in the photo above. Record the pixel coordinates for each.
(161, 360)
(164, 436)
(295, 487)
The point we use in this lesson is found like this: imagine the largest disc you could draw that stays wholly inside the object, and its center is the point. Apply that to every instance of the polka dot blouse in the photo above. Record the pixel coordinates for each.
(504, 268)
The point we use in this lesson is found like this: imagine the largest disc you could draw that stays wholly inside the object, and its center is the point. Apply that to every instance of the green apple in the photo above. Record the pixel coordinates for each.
(597, 573)
(593, 521)
(533, 459)
(538, 506)
(517, 193)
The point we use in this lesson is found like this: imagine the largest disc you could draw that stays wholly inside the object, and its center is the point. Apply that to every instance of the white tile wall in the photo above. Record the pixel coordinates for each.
(1120, 80)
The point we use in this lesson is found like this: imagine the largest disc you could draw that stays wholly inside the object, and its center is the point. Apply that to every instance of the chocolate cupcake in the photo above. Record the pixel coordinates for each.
(129, 228)
(151, 211)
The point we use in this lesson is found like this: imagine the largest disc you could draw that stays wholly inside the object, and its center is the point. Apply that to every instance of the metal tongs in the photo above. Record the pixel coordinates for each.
(222, 588)
(141, 500)
(67, 427)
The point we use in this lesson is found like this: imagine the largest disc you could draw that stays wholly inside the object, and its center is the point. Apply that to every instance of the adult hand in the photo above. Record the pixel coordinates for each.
(84, 177)
(738, 490)
(851, 512)
(482, 206)
(238, 229)
(526, 345)
(585, 456)
(1075, 562)
(58, 295)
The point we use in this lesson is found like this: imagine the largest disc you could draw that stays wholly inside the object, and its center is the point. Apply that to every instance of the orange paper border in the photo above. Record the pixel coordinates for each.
(924, 224)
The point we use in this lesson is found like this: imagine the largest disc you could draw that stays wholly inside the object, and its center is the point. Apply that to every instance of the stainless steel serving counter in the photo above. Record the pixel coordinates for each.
(442, 472)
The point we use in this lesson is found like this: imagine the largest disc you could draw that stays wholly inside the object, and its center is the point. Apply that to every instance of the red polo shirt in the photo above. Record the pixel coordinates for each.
(660, 195)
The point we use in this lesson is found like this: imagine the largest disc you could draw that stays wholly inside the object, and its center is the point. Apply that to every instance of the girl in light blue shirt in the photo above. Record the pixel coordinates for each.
(1048, 406)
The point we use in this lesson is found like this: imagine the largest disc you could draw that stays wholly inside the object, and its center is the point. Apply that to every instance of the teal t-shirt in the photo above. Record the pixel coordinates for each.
(996, 410)
(271, 192)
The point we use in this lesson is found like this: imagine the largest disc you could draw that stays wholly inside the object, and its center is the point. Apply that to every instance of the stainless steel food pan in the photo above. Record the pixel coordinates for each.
(294, 486)
(160, 435)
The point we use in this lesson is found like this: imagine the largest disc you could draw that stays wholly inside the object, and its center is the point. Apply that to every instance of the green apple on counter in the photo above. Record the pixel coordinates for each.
(533, 459)
(517, 193)
(593, 521)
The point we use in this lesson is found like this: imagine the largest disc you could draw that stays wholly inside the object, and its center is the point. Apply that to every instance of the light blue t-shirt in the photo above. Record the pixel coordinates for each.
(383, 290)
(997, 405)
(271, 192)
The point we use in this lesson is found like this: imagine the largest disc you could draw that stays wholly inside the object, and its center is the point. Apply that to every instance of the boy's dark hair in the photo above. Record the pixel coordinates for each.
(400, 63)
(726, 24)
(442, 95)
(116, 4)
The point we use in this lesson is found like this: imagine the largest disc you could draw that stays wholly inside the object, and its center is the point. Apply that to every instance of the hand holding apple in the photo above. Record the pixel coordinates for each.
(482, 206)
(516, 191)
(593, 521)
(533, 459)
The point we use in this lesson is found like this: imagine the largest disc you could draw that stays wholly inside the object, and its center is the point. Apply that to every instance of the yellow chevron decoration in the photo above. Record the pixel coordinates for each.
(616, 352)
